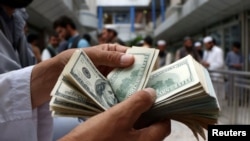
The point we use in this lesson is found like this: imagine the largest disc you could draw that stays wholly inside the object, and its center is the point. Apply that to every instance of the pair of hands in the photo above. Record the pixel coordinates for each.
(205, 64)
(118, 122)
(237, 66)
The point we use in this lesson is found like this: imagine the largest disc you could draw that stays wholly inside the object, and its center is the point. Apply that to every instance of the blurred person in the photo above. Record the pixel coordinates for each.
(100, 38)
(165, 57)
(87, 37)
(31, 95)
(148, 42)
(234, 58)
(110, 35)
(234, 61)
(213, 58)
(33, 40)
(18, 120)
(198, 47)
(66, 28)
(140, 43)
(187, 49)
(50, 51)
(213, 55)
(63, 43)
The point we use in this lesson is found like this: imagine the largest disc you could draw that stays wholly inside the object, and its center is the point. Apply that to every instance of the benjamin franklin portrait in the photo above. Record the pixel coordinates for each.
(104, 93)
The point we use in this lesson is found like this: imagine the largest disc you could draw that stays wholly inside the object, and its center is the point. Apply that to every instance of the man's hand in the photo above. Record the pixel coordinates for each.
(237, 66)
(116, 124)
(105, 57)
(205, 64)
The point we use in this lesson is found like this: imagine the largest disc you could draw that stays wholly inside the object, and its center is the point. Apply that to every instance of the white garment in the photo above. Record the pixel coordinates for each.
(168, 60)
(18, 121)
(215, 58)
(45, 54)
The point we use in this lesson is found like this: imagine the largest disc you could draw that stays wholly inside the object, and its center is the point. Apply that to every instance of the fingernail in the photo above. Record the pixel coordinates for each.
(151, 92)
(126, 59)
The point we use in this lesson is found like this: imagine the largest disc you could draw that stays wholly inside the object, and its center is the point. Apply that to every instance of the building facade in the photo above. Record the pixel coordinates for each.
(226, 20)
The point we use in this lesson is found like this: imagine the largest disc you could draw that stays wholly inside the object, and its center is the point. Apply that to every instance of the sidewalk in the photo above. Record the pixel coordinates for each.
(180, 132)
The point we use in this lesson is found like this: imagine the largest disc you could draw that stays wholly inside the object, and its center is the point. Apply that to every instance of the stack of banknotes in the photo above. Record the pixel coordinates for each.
(184, 89)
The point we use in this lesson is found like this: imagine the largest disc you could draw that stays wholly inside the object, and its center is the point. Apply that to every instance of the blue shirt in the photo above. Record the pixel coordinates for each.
(233, 58)
(82, 43)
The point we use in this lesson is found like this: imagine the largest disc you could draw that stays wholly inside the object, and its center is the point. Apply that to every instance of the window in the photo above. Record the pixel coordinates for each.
(122, 18)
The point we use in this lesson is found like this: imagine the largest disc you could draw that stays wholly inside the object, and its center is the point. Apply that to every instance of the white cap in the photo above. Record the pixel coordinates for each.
(111, 27)
(141, 41)
(161, 42)
(207, 39)
(197, 44)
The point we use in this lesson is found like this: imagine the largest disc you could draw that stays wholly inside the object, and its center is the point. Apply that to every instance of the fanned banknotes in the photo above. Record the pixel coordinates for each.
(184, 89)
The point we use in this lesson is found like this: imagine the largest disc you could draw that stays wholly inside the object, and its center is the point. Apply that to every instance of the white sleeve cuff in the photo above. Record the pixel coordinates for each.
(15, 98)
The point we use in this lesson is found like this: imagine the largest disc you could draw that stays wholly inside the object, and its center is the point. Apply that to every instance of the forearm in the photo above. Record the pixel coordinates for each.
(43, 78)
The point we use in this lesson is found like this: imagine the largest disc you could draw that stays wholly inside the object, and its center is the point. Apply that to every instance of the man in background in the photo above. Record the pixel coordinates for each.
(165, 57)
(33, 40)
(147, 42)
(198, 47)
(234, 58)
(187, 49)
(66, 28)
(213, 55)
(50, 51)
(87, 37)
(213, 58)
(110, 35)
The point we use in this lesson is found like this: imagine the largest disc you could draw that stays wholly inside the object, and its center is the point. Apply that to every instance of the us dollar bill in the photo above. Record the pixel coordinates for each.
(173, 78)
(65, 91)
(126, 81)
(69, 114)
(57, 104)
(81, 72)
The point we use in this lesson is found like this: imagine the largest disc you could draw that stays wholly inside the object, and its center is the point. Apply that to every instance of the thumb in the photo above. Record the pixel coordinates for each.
(116, 59)
(112, 59)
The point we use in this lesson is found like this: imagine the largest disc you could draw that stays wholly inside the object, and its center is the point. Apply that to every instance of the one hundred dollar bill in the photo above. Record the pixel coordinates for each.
(129, 80)
(65, 91)
(57, 103)
(81, 72)
(173, 78)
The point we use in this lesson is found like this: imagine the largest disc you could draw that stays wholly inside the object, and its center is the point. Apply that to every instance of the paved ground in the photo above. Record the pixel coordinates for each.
(181, 132)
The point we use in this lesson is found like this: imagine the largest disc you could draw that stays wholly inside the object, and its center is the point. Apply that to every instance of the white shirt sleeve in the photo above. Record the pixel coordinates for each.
(16, 115)
(18, 121)
(15, 100)
(45, 55)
